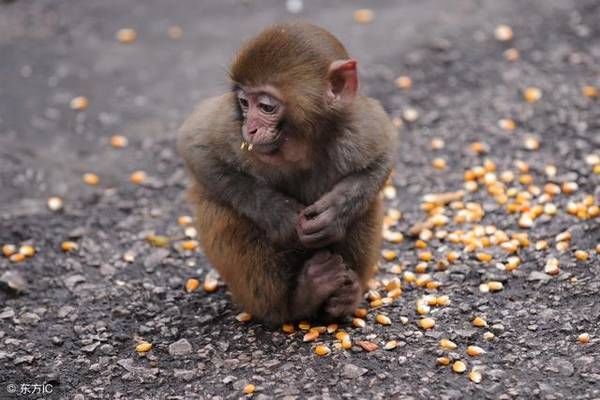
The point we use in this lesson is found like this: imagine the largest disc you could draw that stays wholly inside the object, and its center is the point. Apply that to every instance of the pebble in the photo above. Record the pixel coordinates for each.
(352, 371)
(180, 348)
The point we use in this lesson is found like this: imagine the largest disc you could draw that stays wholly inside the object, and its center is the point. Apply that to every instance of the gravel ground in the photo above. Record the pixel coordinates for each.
(79, 316)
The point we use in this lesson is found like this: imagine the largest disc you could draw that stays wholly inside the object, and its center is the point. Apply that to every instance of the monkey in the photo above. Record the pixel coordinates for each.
(286, 172)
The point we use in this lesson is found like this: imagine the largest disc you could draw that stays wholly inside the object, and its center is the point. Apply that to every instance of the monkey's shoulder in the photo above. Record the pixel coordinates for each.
(370, 136)
(214, 121)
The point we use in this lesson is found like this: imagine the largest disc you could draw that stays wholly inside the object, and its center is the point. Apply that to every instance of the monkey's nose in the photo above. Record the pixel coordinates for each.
(252, 131)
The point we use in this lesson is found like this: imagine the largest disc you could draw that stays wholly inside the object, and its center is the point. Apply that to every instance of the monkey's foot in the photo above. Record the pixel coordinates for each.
(321, 276)
(326, 286)
(345, 298)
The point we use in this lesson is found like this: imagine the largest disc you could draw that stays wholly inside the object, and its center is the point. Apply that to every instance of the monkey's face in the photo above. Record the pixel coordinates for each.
(262, 111)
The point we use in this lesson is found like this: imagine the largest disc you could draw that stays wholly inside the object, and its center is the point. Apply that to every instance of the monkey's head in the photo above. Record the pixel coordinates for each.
(292, 80)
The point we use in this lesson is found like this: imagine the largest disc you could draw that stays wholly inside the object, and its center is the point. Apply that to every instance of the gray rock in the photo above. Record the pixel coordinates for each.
(538, 276)
(90, 348)
(155, 258)
(180, 348)
(29, 318)
(73, 280)
(12, 281)
(184, 374)
(7, 313)
(561, 366)
(352, 371)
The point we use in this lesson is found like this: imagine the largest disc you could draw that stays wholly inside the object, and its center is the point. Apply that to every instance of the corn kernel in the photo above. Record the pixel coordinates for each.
(310, 336)
(447, 344)
(426, 323)
(584, 338)
(403, 82)
(475, 351)
(126, 35)
(27, 250)
(442, 361)
(143, 347)
(383, 319)
(68, 246)
(503, 33)
(495, 286)
(391, 345)
(358, 322)
(532, 94)
(459, 367)
(191, 285)
(581, 255)
(288, 328)
(79, 103)
(364, 15)
(54, 203)
(511, 54)
(589, 91)
(475, 376)
(8, 250)
(479, 322)
(243, 317)
(250, 388)
(137, 177)
(91, 179)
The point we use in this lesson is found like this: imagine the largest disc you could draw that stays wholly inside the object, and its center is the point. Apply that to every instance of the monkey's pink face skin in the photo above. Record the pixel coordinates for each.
(262, 111)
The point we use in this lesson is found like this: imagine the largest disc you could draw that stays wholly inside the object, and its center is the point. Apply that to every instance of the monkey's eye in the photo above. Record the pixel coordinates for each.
(243, 102)
(267, 108)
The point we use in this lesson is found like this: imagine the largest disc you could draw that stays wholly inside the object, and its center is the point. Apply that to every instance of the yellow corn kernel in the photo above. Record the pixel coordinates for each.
(191, 285)
(479, 322)
(143, 347)
(459, 367)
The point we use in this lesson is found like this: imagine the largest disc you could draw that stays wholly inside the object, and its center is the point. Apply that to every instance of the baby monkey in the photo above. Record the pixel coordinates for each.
(286, 170)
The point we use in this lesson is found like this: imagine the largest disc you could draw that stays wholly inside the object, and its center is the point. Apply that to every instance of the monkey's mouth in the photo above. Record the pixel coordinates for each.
(266, 148)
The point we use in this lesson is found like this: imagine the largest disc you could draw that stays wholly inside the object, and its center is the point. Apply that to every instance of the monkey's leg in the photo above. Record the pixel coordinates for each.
(254, 271)
(360, 252)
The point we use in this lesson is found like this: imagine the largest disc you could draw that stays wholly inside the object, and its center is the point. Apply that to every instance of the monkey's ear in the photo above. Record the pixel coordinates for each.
(343, 81)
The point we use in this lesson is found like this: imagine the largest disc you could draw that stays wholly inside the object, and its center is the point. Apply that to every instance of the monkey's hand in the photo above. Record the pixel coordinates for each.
(281, 221)
(323, 222)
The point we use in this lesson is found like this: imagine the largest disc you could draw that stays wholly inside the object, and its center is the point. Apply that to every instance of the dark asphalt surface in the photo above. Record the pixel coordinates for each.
(76, 325)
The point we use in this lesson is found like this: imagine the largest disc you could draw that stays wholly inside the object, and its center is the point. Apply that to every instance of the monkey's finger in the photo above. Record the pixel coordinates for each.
(316, 240)
(319, 223)
(315, 209)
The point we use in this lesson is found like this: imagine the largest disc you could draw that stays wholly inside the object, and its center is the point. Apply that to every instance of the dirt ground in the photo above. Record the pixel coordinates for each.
(70, 322)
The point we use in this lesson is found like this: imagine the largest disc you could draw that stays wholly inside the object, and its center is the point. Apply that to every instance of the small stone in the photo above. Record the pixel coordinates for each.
(180, 348)
(352, 371)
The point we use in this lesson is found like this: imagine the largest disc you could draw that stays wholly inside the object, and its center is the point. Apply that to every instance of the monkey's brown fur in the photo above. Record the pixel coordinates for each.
(242, 205)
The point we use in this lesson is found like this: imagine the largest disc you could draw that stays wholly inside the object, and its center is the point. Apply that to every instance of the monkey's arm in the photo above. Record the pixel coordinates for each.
(205, 142)
(325, 221)
(372, 144)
